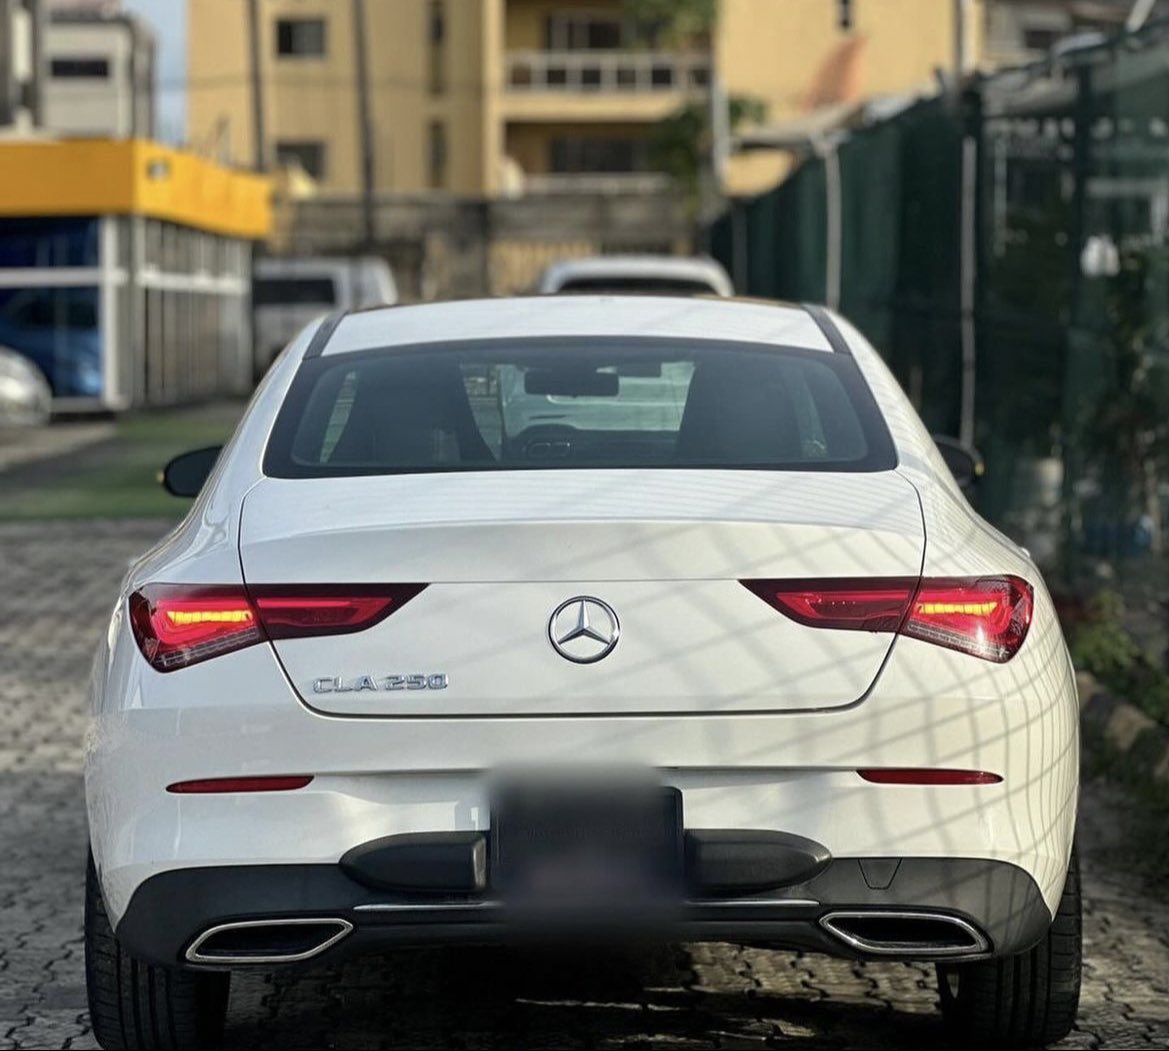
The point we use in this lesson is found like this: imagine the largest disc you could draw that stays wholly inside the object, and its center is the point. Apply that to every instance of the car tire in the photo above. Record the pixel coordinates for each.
(1024, 1001)
(133, 1004)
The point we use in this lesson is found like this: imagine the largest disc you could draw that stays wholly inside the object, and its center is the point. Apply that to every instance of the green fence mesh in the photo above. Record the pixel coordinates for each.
(1071, 305)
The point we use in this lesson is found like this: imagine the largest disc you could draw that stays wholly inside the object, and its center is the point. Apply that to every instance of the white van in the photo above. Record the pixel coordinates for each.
(288, 293)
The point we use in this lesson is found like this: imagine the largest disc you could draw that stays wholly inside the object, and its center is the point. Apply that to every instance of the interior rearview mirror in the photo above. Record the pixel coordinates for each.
(186, 473)
(965, 463)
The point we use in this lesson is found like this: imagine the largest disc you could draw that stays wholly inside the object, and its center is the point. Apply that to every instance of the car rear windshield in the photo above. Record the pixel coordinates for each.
(516, 405)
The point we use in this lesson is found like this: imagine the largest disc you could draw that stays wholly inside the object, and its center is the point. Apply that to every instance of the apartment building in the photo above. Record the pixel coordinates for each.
(100, 71)
(20, 65)
(505, 97)
(1023, 31)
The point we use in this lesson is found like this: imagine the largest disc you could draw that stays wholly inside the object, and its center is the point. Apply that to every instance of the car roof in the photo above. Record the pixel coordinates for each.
(670, 267)
(601, 316)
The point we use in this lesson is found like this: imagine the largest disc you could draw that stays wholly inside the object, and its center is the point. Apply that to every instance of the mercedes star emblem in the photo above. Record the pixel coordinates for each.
(583, 629)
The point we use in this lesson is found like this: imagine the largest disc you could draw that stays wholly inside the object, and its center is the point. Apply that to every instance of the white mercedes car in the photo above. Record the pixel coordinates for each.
(641, 274)
(580, 617)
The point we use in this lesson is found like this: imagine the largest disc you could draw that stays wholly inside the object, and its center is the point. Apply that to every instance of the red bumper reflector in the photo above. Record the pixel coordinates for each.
(209, 785)
(911, 776)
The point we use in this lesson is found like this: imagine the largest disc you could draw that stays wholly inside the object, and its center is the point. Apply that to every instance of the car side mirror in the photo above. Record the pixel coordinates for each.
(186, 473)
(965, 463)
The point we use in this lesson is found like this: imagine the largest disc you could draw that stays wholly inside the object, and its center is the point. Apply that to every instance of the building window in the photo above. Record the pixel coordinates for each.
(1040, 39)
(76, 68)
(585, 32)
(310, 155)
(597, 156)
(437, 154)
(300, 37)
(436, 41)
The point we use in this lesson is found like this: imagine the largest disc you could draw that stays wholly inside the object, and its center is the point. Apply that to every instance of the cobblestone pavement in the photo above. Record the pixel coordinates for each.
(58, 579)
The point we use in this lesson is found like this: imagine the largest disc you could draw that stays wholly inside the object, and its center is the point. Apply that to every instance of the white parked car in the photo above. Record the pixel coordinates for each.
(739, 663)
(290, 292)
(643, 274)
(26, 400)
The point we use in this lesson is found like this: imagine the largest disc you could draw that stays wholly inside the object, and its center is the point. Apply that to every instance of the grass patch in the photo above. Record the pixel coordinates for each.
(116, 477)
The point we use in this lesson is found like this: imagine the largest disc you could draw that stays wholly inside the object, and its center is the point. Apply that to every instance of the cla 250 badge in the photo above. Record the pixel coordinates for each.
(380, 683)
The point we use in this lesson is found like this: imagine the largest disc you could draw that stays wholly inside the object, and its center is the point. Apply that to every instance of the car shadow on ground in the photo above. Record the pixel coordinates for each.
(646, 997)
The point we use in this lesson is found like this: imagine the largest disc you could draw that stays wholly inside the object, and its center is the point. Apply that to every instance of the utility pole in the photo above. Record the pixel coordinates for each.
(364, 121)
(260, 150)
(967, 232)
(1139, 15)
(962, 61)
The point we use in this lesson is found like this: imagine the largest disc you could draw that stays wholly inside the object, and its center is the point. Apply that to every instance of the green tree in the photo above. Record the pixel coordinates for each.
(673, 21)
(680, 145)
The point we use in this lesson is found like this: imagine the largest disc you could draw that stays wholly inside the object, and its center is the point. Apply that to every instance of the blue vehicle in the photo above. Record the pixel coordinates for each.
(58, 330)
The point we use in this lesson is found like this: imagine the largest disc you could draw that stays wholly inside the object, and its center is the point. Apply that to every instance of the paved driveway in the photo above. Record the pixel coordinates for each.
(58, 580)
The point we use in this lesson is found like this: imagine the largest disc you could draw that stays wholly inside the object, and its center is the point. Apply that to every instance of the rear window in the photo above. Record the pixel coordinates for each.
(533, 404)
(293, 291)
(647, 286)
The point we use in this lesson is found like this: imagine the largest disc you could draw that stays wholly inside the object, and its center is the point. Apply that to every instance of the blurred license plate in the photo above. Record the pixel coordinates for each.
(570, 844)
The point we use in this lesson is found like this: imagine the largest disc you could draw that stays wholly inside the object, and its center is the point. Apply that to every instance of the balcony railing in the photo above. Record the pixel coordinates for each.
(605, 71)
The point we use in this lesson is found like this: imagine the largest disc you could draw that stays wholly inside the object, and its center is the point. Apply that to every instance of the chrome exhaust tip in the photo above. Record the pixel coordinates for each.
(911, 935)
(267, 941)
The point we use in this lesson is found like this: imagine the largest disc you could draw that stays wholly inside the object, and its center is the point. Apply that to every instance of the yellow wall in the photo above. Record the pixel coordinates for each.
(771, 49)
(132, 177)
(902, 42)
(218, 106)
(315, 99)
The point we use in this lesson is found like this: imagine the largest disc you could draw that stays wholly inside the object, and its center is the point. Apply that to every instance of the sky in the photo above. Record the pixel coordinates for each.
(169, 21)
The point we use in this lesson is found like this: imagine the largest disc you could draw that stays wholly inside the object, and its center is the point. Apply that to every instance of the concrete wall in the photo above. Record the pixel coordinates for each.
(444, 247)
(117, 105)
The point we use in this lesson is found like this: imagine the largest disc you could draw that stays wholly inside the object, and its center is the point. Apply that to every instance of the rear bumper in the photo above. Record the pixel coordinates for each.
(374, 778)
(170, 913)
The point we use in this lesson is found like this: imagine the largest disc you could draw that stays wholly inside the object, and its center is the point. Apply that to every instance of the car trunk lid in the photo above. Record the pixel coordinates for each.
(501, 552)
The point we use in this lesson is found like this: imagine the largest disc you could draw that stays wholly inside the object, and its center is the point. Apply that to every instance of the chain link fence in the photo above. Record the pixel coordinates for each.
(1006, 249)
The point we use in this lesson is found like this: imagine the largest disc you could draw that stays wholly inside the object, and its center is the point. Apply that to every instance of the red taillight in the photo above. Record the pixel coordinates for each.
(926, 776)
(851, 605)
(986, 617)
(269, 783)
(290, 611)
(179, 625)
